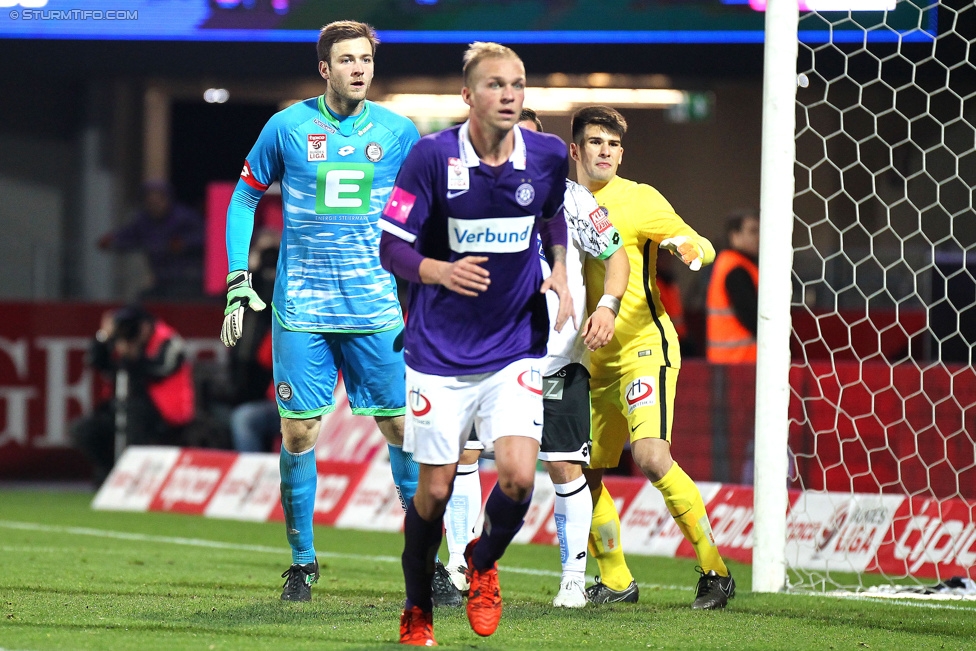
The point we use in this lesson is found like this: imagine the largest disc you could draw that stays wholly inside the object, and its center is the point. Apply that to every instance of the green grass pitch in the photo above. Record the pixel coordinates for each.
(73, 578)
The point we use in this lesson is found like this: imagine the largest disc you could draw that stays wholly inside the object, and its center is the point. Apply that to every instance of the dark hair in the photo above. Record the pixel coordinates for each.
(733, 221)
(128, 322)
(528, 115)
(343, 30)
(602, 116)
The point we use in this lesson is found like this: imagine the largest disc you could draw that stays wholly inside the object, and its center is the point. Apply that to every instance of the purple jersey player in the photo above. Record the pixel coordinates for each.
(461, 226)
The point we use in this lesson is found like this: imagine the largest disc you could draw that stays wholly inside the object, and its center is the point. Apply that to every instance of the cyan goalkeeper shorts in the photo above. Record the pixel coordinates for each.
(306, 367)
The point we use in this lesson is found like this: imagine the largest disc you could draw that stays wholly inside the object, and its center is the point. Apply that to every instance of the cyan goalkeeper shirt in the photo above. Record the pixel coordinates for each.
(336, 173)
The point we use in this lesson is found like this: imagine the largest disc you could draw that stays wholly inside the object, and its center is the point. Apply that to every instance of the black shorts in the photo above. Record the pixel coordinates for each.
(566, 415)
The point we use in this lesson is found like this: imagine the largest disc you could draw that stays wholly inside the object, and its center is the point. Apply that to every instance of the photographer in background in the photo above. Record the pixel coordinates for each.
(144, 359)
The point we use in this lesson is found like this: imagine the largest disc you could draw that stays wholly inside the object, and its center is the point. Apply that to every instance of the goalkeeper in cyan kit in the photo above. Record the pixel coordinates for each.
(335, 307)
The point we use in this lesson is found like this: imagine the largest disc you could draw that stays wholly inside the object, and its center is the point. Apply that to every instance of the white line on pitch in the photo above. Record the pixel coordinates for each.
(216, 544)
(905, 600)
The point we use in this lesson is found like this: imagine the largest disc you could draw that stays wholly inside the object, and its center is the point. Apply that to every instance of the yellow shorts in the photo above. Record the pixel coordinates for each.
(637, 403)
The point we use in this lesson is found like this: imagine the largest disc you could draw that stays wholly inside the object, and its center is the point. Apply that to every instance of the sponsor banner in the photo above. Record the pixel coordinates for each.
(647, 527)
(540, 510)
(825, 531)
(136, 478)
(250, 491)
(730, 513)
(375, 504)
(346, 438)
(337, 483)
(838, 531)
(193, 480)
(929, 538)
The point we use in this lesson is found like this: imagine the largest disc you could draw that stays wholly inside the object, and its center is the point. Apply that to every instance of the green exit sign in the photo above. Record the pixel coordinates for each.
(695, 107)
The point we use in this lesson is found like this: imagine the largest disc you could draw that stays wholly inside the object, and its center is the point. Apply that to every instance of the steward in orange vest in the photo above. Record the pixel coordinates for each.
(732, 301)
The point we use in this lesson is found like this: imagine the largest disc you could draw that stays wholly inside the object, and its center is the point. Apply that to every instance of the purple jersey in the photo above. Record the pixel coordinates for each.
(449, 205)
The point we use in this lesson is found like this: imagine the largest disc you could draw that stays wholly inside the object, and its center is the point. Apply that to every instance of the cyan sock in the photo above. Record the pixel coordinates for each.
(298, 482)
(406, 473)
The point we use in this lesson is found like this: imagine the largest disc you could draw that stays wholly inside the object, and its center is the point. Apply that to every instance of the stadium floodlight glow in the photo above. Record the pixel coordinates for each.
(216, 95)
(543, 100)
(835, 5)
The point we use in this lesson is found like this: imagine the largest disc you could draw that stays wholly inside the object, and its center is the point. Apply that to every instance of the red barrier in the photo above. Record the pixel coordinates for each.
(44, 383)
(867, 427)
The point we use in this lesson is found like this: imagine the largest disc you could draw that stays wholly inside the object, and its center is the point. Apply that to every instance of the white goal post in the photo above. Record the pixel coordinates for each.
(865, 455)
(773, 334)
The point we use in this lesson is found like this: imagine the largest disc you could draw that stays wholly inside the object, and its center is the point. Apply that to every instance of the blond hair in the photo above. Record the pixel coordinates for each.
(480, 51)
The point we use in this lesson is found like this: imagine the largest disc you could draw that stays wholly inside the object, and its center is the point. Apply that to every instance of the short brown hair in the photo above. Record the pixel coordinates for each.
(479, 51)
(343, 30)
(528, 115)
(602, 116)
(735, 219)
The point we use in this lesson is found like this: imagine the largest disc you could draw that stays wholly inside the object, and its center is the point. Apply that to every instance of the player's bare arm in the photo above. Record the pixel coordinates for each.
(558, 283)
(599, 327)
(465, 276)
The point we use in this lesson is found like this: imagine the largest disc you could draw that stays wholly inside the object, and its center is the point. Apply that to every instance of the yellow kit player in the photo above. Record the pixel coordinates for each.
(633, 378)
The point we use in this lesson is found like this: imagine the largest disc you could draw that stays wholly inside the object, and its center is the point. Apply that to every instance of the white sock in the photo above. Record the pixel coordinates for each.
(572, 512)
(462, 512)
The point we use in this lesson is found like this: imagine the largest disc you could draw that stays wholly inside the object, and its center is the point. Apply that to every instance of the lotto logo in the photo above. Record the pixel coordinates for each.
(640, 393)
(248, 177)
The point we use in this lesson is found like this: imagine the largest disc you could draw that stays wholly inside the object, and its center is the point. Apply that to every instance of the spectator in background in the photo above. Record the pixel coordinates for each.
(171, 236)
(254, 425)
(255, 422)
(158, 400)
(733, 293)
(250, 376)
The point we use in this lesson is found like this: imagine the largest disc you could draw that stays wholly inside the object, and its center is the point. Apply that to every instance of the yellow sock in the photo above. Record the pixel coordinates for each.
(604, 542)
(688, 509)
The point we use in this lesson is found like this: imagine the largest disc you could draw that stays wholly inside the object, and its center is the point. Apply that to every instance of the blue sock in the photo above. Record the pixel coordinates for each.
(298, 480)
(406, 473)
(420, 542)
(503, 519)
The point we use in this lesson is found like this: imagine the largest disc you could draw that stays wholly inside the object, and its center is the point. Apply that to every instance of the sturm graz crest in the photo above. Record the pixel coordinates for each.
(374, 152)
(284, 390)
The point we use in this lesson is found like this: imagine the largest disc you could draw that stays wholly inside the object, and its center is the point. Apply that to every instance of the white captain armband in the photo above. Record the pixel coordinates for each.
(611, 302)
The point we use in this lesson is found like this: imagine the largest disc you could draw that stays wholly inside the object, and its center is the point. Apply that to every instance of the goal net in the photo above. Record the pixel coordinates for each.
(882, 408)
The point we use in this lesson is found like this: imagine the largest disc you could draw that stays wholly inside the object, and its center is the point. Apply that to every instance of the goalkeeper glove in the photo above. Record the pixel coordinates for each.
(689, 252)
(240, 296)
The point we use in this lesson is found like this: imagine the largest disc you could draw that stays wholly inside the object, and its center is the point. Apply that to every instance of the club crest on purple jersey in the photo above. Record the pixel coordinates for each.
(524, 194)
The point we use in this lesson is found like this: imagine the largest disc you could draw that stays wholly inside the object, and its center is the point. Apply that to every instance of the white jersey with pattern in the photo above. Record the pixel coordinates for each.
(590, 233)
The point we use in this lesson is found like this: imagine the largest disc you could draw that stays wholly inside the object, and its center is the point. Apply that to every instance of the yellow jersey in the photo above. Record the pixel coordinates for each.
(644, 332)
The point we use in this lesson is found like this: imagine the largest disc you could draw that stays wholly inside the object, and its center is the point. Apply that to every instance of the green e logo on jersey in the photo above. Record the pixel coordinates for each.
(343, 188)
